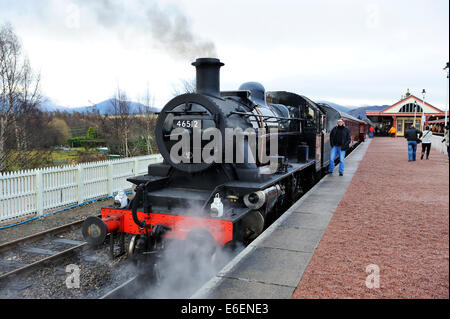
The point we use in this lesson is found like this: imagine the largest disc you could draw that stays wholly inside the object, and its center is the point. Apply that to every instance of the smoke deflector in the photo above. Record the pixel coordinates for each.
(208, 76)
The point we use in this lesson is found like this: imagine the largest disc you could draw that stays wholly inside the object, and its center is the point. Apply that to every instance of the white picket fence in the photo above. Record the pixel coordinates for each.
(35, 191)
(437, 144)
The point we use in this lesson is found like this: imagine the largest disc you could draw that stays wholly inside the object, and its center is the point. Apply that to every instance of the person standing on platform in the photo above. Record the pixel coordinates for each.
(392, 131)
(340, 139)
(446, 140)
(371, 129)
(412, 135)
(426, 142)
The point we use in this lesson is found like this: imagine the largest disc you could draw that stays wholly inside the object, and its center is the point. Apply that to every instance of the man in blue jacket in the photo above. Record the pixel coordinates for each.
(340, 139)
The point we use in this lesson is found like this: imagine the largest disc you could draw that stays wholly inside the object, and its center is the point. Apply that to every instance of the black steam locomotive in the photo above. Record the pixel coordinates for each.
(228, 191)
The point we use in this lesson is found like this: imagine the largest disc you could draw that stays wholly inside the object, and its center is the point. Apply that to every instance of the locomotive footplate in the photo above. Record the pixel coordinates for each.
(245, 187)
(176, 196)
(179, 226)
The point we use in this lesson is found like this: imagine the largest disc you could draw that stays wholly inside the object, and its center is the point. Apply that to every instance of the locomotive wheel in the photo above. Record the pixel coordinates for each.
(253, 225)
(134, 253)
(132, 246)
(199, 243)
(145, 262)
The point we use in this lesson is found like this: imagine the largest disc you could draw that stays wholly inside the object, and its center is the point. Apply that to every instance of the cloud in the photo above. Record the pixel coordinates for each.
(370, 50)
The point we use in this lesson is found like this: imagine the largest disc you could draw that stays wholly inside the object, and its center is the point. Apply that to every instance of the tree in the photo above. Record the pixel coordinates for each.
(184, 86)
(63, 130)
(148, 121)
(19, 98)
(91, 133)
(121, 120)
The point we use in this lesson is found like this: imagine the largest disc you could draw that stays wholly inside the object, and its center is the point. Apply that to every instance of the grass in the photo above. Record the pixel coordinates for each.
(65, 156)
(53, 158)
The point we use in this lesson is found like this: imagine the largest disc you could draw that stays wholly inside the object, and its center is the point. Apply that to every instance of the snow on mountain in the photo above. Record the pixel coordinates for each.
(104, 107)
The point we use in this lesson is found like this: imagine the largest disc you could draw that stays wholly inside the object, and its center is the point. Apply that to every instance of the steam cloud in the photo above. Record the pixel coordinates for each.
(168, 27)
(185, 266)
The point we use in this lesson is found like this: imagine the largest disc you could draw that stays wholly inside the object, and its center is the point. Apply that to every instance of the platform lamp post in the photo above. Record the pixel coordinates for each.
(415, 110)
(446, 109)
(423, 108)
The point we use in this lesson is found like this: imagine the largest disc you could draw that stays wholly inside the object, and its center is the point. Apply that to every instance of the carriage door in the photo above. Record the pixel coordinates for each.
(322, 139)
(319, 140)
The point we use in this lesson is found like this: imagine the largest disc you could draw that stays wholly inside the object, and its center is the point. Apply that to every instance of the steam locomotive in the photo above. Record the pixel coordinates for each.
(228, 191)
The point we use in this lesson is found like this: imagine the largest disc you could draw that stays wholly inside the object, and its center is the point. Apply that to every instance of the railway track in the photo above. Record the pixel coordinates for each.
(123, 290)
(27, 253)
(36, 266)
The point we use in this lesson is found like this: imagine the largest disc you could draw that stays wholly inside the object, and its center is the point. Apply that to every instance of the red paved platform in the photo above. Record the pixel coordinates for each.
(395, 215)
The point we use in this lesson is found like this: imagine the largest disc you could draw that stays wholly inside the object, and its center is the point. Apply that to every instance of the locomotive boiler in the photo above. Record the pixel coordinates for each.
(233, 161)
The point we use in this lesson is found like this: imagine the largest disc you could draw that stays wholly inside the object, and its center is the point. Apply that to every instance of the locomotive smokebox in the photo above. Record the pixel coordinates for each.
(208, 76)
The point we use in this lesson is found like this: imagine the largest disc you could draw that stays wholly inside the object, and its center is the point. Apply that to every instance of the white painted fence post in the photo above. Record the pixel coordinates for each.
(39, 192)
(79, 184)
(110, 179)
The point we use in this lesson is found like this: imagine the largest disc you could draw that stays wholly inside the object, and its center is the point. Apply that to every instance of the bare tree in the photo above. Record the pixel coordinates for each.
(19, 96)
(184, 86)
(148, 120)
(121, 118)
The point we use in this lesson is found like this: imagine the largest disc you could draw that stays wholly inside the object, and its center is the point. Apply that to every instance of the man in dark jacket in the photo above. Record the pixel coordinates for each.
(340, 139)
(412, 135)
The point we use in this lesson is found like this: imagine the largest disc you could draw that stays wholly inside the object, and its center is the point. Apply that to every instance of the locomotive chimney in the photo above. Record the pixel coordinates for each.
(208, 76)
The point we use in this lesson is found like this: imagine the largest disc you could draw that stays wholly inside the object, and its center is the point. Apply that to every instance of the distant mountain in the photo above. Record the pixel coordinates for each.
(337, 106)
(104, 107)
(361, 111)
(47, 105)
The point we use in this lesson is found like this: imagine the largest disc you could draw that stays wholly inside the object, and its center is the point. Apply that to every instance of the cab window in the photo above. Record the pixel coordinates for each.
(310, 118)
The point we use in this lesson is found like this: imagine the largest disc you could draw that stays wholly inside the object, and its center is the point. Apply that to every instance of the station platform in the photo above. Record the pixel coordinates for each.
(386, 217)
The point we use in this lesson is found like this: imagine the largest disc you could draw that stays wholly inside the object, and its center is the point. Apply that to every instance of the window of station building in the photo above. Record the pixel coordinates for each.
(409, 108)
(418, 124)
(399, 126)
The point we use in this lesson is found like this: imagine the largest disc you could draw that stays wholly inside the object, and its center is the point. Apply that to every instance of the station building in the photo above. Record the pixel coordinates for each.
(401, 115)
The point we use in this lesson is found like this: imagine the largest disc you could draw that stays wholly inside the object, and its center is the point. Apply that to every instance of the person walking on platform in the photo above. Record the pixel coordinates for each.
(371, 129)
(446, 140)
(340, 139)
(392, 131)
(411, 136)
(426, 142)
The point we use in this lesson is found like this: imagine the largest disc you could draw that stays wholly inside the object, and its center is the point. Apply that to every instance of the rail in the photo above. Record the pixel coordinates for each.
(33, 192)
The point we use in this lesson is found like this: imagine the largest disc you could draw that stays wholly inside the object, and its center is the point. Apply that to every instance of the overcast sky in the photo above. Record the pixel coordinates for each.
(351, 52)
